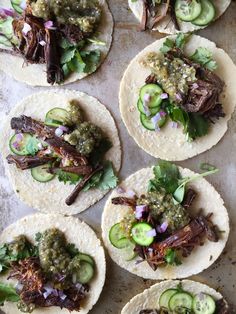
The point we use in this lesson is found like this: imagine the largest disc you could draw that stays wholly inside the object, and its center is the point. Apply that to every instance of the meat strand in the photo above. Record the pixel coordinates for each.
(28, 162)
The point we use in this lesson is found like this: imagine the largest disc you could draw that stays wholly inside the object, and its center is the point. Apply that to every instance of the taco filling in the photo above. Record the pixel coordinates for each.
(55, 33)
(160, 227)
(65, 146)
(176, 300)
(181, 88)
(51, 272)
(196, 12)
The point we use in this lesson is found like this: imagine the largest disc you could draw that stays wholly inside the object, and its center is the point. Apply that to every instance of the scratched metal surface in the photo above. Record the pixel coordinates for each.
(120, 285)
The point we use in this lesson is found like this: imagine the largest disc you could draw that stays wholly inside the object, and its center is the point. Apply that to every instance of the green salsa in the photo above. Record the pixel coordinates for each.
(162, 208)
(173, 75)
(83, 13)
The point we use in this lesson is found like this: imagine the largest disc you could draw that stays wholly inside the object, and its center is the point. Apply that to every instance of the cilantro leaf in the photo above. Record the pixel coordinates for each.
(207, 167)
(171, 258)
(65, 177)
(204, 57)
(32, 146)
(8, 293)
(181, 40)
(167, 176)
(167, 45)
(94, 181)
(91, 60)
(68, 55)
(77, 64)
(109, 180)
(72, 249)
(197, 126)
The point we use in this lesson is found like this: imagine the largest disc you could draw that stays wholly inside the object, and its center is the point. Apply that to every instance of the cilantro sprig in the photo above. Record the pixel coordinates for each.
(167, 176)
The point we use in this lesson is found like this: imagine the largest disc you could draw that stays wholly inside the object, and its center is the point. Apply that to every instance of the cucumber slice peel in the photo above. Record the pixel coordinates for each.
(153, 110)
(154, 91)
(203, 304)
(207, 14)
(116, 234)
(149, 125)
(128, 249)
(139, 234)
(181, 300)
(16, 4)
(86, 258)
(85, 272)
(188, 10)
(41, 174)
(56, 117)
(166, 296)
(21, 150)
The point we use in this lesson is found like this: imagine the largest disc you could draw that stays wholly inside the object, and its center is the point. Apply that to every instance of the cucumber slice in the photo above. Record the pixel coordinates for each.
(40, 173)
(86, 258)
(56, 117)
(139, 234)
(207, 14)
(127, 249)
(115, 235)
(154, 91)
(165, 297)
(16, 6)
(204, 304)
(149, 125)
(21, 148)
(85, 272)
(187, 10)
(153, 111)
(180, 300)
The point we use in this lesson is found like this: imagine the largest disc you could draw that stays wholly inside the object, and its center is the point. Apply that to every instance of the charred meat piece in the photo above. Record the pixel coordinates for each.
(124, 201)
(222, 307)
(28, 162)
(151, 79)
(73, 33)
(151, 312)
(72, 197)
(52, 57)
(28, 125)
(189, 197)
(80, 170)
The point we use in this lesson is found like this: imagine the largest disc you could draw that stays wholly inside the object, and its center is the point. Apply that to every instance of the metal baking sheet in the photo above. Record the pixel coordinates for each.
(104, 84)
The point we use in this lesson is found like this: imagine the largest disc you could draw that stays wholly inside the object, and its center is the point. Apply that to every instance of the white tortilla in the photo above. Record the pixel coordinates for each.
(169, 143)
(35, 74)
(76, 232)
(50, 197)
(166, 26)
(149, 298)
(201, 257)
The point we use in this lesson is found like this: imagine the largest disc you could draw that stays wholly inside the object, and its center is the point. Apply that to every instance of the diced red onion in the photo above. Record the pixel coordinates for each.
(155, 120)
(174, 125)
(78, 286)
(40, 146)
(162, 113)
(195, 85)
(164, 96)
(120, 190)
(178, 97)
(150, 249)
(27, 28)
(151, 233)
(58, 132)
(46, 294)
(4, 13)
(49, 25)
(62, 295)
(19, 286)
(63, 128)
(131, 193)
(16, 145)
(163, 227)
(23, 5)
(42, 43)
(139, 211)
(146, 98)
(19, 137)
(146, 110)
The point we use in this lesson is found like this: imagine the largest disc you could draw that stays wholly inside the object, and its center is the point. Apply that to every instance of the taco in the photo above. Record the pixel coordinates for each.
(177, 96)
(163, 223)
(50, 263)
(185, 296)
(61, 151)
(171, 16)
(53, 42)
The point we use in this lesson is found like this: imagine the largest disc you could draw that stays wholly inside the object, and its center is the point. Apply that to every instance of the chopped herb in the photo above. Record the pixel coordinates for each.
(72, 250)
(32, 146)
(197, 126)
(204, 57)
(68, 177)
(171, 258)
(207, 167)
(8, 293)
